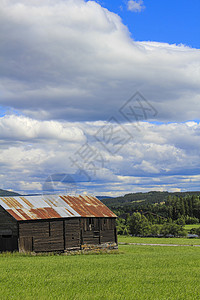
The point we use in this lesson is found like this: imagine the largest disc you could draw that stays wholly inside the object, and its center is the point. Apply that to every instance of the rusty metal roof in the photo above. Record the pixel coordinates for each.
(54, 206)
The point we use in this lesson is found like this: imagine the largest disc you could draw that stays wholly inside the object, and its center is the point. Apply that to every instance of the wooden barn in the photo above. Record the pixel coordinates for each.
(54, 223)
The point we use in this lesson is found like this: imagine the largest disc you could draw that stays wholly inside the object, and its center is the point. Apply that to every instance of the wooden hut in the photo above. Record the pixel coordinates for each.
(54, 223)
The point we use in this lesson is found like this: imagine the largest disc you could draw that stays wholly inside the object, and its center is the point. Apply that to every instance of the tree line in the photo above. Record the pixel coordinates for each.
(159, 219)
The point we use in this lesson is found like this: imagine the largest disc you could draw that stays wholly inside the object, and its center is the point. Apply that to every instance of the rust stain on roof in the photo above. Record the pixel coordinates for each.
(24, 214)
(54, 206)
(12, 202)
(26, 201)
(14, 214)
(88, 206)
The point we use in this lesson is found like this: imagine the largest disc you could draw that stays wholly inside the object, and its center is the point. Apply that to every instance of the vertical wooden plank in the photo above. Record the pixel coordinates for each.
(72, 233)
(49, 229)
(64, 234)
(99, 231)
(25, 244)
(115, 235)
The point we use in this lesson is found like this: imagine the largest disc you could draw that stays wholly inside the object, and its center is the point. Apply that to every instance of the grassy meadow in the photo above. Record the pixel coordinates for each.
(190, 226)
(135, 272)
(147, 240)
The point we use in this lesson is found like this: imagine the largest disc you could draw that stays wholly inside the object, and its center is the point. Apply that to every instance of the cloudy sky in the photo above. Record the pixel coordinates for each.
(99, 97)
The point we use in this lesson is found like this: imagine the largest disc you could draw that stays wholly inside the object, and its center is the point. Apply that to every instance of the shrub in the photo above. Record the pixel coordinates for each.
(191, 220)
(173, 229)
(195, 231)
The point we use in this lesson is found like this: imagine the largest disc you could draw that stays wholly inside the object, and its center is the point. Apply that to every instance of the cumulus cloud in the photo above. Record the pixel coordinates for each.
(21, 128)
(68, 66)
(75, 60)
(136, 6)
(158, 157)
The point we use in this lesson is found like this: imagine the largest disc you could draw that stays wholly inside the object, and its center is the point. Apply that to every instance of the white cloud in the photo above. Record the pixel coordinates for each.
(136, 6)
(27, 186)
(23, 128)
(158, 157)
(65, 68)
(75, 60)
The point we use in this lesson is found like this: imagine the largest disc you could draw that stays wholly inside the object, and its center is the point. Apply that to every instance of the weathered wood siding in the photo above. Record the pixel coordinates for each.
(8, 232)
(7, 223)
(8, 243)
(108, 230)
(60, 235)
(41, 236)
(98, 230)
(72, 233)
(90, 233)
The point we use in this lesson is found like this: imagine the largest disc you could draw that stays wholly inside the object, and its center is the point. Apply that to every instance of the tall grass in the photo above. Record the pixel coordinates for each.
(137, 272)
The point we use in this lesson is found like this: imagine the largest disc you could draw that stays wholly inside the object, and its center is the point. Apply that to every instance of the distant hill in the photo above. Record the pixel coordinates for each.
(103, 197)
(4, 193)
(143, 198)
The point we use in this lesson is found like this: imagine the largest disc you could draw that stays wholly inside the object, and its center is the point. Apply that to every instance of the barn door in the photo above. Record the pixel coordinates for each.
(72, 233)
(54, 241)
(25, 244)
(8, 243)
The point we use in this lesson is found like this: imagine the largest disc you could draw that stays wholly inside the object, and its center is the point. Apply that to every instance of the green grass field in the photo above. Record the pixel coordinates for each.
(190, 226)
(146, 240)
(137, 272)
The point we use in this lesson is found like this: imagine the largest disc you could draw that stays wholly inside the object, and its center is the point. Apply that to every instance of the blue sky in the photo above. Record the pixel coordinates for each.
(100, 97)
(168, 21)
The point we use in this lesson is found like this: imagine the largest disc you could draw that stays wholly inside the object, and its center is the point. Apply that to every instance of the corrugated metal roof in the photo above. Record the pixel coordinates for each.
(54, 206)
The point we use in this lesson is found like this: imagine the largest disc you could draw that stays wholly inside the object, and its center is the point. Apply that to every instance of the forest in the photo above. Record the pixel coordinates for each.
(156, 213)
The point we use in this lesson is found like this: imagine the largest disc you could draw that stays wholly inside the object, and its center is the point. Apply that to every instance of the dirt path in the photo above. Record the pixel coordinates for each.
(169, 245)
